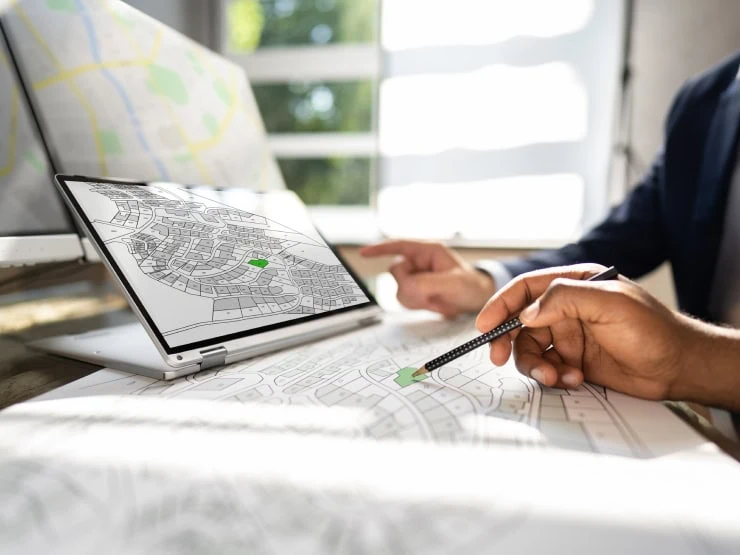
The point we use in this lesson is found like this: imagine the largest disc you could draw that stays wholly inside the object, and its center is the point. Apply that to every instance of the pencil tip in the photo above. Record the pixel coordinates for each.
(420, 372)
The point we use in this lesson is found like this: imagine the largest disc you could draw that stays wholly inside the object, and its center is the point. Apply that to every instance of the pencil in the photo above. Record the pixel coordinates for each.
(495, 333)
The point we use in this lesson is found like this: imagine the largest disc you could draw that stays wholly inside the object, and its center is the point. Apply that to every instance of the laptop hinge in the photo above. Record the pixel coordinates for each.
(213, 357)
(368, 321)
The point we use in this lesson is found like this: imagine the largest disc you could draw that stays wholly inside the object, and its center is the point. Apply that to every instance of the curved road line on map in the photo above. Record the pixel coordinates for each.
(120, 90)
(75, 90)
(423, 424)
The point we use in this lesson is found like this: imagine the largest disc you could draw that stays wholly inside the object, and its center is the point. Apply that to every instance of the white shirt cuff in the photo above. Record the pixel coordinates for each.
(496, 270)
(722, 421)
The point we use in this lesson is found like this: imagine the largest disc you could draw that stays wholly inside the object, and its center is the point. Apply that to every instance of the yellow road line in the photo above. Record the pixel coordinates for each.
(10, 164)
(194, 153)
(68, 74)
(178, 125)
(75, 90)
(225, 122)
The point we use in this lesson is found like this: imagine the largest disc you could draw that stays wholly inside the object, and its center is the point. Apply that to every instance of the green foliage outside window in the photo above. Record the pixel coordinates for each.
(327, 181)
(299, 22)
(313, 107)
(316, 107)
(246, 18)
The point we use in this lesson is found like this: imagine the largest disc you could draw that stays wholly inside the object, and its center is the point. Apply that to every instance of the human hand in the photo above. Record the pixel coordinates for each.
(433, 277)
(611, 333)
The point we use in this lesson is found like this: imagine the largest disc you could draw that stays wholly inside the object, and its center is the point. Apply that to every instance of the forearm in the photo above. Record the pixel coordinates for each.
(710, 372)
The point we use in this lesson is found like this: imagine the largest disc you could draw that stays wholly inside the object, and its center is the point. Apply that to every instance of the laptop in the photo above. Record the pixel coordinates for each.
(214, 276)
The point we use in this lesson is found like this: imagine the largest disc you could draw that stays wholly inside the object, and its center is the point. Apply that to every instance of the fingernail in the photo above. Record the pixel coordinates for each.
(570, 379)
(531, 312)
(538, 375)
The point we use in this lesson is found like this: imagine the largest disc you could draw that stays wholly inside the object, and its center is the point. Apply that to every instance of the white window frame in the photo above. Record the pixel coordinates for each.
(336, 63)
(346, 62)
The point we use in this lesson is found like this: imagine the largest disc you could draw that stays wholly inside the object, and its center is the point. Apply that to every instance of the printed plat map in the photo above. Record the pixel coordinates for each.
(466, 401)
(329, 448)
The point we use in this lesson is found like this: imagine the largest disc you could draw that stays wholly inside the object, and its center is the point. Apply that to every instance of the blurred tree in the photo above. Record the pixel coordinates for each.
(328, 181)
(313, 107)
(246, 20)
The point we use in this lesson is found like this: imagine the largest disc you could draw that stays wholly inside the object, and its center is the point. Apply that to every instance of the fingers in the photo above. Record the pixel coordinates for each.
(501, 347)
(542, 363)
(401, 269)
(501, 350)
(404, 248)
(516, 295)
(429, 290)
(592, 302)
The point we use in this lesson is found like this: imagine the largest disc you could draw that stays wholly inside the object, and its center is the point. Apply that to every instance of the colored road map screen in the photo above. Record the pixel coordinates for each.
(205, 266)
(29, 204)
(120, 94)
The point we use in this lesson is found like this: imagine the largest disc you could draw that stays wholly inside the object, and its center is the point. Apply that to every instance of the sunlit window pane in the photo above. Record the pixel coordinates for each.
(510, 210)
(493, 108)
(420, 23)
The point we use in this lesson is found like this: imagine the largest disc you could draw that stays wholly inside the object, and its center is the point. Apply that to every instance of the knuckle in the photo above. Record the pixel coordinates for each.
(590, 267)
(612, 287)
(616, 288)
(395, 268)
(436, 247)
(558, 287)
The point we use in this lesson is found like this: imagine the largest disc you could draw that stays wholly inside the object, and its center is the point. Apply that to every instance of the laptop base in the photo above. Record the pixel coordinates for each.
(126, 348)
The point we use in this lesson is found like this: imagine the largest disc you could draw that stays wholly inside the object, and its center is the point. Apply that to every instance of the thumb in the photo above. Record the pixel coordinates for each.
(565, 299)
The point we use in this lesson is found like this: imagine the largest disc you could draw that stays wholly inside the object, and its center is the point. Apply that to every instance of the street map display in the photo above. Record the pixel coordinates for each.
(123, 95)
(28, 202)
(204, 269)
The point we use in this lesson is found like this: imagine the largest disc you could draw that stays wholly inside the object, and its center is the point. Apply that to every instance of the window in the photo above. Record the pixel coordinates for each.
(495, 118)
(314, 67)
(476, 121)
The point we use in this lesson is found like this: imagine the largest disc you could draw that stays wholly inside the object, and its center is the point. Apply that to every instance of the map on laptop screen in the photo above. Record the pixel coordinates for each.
(205, 269)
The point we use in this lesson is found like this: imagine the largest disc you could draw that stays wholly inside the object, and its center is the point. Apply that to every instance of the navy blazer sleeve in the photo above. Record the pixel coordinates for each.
(632, 235)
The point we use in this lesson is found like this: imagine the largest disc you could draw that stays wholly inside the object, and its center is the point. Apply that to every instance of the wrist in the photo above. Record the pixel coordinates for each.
(488, 281)
(709, 371)
(495, 270)
(486, 285)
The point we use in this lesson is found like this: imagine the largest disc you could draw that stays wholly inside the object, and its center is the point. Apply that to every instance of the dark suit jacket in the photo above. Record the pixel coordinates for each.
(677, 212)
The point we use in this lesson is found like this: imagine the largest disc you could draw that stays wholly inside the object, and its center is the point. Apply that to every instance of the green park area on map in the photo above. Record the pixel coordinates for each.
(404, 377)
(259, 262)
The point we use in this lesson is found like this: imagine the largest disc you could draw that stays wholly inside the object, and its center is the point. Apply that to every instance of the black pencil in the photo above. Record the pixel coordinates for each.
(495, 333)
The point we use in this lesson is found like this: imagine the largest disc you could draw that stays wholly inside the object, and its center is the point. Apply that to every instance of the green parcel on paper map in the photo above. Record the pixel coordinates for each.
(405, 378)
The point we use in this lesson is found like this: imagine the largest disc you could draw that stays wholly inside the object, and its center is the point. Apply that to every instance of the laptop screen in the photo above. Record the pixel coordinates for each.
(205, 265)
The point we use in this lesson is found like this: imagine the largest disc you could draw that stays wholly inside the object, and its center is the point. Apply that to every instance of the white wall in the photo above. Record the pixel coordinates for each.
(673, 40)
